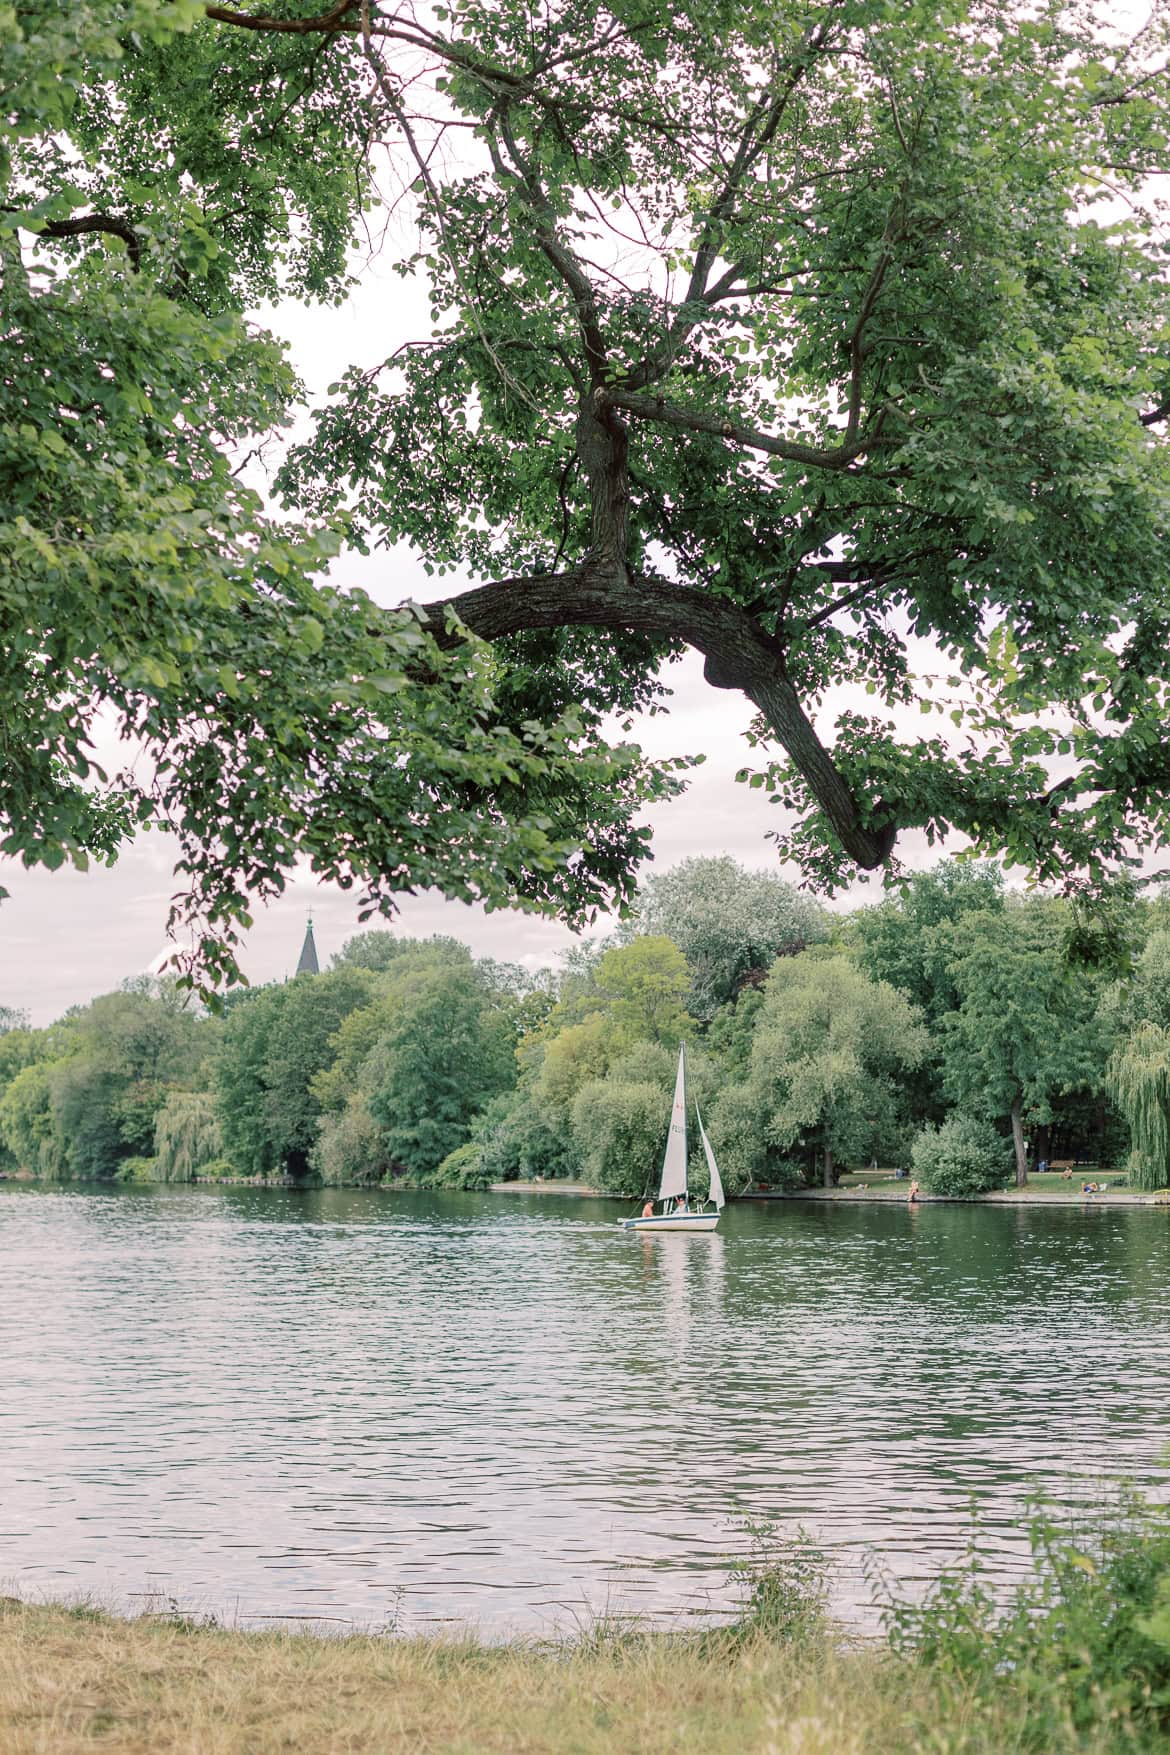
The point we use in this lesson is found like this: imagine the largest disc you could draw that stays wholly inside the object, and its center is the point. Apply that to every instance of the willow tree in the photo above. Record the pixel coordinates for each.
(814, 335)
(186, 1135)
(1139, 1081)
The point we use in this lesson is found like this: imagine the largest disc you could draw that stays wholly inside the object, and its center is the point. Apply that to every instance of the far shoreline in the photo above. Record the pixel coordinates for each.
(851, 1196)
(1011, 1197)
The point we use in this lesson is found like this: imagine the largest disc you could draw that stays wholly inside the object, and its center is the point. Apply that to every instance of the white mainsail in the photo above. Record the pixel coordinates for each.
(674, 1165)
(716, 1180)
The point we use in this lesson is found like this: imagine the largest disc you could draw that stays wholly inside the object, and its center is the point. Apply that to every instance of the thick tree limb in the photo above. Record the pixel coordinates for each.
(337, 18)
(655, 408)
(86, 224)
(601, 593)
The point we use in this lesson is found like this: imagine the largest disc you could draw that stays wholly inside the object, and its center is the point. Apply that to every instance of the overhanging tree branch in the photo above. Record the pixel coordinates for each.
(86, 225)
(656, 408)
(737, 652)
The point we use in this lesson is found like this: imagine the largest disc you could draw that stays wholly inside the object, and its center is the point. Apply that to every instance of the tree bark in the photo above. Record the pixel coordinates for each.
(1017, 1113)
(830, 1176)
(601, 593)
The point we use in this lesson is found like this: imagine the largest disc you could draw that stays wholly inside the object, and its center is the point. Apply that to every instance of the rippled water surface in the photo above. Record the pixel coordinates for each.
(414, 1409)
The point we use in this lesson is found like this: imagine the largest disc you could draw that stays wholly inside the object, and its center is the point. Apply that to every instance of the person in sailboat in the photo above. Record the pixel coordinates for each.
(672, 1210)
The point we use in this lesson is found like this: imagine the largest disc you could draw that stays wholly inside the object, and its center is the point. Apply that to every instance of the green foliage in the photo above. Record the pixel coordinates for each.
(729, 1036)
(644, 985)
(137, 1170)
(446, 1047)
(84, 1099)
(19, 1048)
(912, 401)
(240, 1080)
(728, 922)
(157, 183)
(619, 1131)
(274, 1044)
(379, 950)
(910, 398)
(409, 1049)
(737, 1126)
(1147, 999)
(963, 1156)
(1139, 1077)
(519, 1140)
(350, 1149)
(97, 1080)
(27, 1123)
(828, 1049)
(187, 1136)
(1086, 1643)
(783, 1586)
(1029, 1024)
(462, 1168)
(910, 940)
(572, 1057)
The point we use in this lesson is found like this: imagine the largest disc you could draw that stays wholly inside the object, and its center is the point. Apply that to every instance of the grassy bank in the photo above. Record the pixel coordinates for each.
(1078, 1660)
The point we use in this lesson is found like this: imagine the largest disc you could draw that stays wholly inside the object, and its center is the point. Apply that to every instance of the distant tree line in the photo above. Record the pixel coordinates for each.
(953, 1026)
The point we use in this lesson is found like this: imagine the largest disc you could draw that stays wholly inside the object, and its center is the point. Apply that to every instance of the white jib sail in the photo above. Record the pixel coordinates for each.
(716, 1180)
(674, 1165)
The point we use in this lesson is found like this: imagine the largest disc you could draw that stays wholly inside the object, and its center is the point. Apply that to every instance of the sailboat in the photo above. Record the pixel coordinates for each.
(675, 1214)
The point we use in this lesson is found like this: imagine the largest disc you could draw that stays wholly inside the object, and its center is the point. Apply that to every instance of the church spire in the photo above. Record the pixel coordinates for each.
(308, 964)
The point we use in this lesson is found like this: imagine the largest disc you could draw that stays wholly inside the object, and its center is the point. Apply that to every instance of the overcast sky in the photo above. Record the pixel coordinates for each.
(67, 936)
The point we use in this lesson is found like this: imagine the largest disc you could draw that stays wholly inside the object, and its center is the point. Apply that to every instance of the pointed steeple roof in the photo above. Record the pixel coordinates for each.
(308, 964)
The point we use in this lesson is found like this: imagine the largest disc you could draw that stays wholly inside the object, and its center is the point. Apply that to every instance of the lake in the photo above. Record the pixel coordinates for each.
(414, 1409)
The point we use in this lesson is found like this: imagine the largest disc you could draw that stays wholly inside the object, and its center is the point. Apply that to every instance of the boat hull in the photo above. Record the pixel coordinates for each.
(673, 1222)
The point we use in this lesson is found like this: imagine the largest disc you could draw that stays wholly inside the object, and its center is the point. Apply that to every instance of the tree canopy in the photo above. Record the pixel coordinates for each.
(812, 336)
(158, 178)
(1027, 1027)
(730, 923)
(412, 1060)
(827, 1048)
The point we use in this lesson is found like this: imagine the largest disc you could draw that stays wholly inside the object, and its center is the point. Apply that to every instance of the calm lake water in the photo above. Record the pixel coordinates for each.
(419, 1409)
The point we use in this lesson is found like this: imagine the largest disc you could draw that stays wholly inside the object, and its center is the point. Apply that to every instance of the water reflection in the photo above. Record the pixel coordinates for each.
(344, 1405)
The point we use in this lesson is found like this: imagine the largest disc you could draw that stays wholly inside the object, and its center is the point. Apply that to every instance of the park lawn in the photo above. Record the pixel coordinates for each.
(1050, 1184)
(77, 1682)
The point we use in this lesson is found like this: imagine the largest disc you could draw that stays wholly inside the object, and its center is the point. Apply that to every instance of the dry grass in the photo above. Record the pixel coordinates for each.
(73, 1681)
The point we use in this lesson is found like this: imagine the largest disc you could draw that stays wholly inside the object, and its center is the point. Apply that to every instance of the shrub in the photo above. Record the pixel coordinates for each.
(462, 1168)
(962, 1157)
(1086, 1641)
(137, 1170)
(218, 1170)
(783, 1584)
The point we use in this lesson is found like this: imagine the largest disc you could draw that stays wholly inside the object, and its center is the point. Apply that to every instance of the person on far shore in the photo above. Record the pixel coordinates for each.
(912, 1194)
